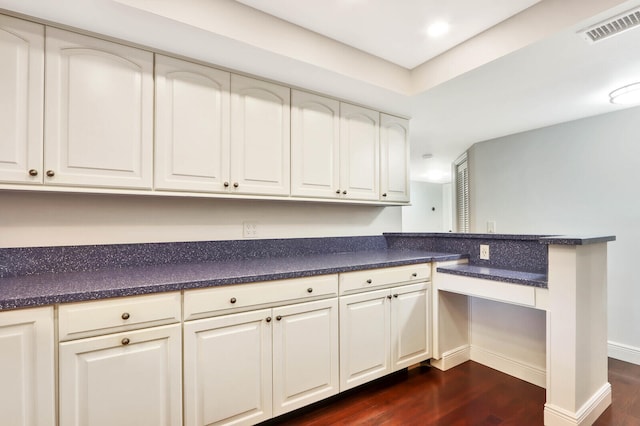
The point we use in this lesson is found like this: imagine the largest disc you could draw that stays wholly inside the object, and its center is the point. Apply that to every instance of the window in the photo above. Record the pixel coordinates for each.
(461, 176)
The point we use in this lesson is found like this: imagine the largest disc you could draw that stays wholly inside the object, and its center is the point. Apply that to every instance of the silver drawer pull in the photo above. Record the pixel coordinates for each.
(369, 281)
(310, 290)
(415, 274)
(125, 316)
(125, 341)
(233, 300)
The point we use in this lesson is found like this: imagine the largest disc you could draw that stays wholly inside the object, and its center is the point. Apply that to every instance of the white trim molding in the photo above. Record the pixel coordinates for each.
(586, 415)
(624, 352)
(513, 367)
(452, 358)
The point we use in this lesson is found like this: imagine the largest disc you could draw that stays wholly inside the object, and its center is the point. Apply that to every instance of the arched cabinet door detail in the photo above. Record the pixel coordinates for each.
(394, 158)
(315, 145)
(99, 109)
(360, 152)
(21, 103)
(192, 126)
(260, 137)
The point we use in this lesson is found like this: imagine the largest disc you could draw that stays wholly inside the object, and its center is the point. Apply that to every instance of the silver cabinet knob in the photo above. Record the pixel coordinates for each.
(310, 290)
(33, 172)
(344, 192)
(369, 281)
(415, 274)
(125, 316)
(384, 195)
(233, 300)
(226, 184)
(389, 297)
(51, 173)
(268, 319)
(279, 317)
(236, 184)
(395, 295)
(337, 191)
(125, 341)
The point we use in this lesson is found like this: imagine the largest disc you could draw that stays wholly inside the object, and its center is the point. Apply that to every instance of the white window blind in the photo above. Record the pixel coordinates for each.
(462, 195)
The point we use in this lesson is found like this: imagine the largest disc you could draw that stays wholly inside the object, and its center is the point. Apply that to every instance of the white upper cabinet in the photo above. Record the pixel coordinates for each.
(192, 126)
(21, 100)
(315, 145)
(260, 137)
(394, 149)
(359, 152)
(99, 112)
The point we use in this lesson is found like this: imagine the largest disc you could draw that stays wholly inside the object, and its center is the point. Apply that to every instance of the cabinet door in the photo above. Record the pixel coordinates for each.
(364, 338)
(305, 354)
(125, 379)
(260, 142)
(227, 369)
(359, 152)
(21, 100)
(192, 126)
(410, 325)
(27, 392)
(315, 145)
(99, 112)
(394, 149)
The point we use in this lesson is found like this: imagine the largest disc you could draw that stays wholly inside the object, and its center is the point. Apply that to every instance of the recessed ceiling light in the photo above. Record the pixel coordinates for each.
(626, 95)
(438, 29)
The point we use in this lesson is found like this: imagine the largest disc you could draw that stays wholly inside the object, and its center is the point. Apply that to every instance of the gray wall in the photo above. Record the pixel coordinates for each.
(579, 177)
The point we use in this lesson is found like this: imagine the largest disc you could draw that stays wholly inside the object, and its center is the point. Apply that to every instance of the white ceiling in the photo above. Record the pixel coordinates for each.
(529, 71)
(394, 30)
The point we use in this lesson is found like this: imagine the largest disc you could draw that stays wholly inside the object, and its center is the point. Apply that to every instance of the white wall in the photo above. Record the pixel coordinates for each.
(579, 177)
(420, 216)
(29, 219)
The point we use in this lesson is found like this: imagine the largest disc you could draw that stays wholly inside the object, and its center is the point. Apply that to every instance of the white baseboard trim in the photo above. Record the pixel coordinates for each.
(516, 368)
(452, 358)
(624, 352)
(586, 415)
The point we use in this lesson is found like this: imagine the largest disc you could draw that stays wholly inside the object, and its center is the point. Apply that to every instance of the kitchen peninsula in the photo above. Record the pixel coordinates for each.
(105, 298)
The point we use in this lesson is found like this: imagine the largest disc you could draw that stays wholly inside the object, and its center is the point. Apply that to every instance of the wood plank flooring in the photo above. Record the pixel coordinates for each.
(470, 394)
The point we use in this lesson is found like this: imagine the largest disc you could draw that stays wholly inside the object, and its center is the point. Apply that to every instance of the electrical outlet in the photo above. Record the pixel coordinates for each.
(484, 252)
(249, 229)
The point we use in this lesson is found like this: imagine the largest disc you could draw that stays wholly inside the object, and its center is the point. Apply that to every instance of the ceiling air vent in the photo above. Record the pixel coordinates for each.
(612, 26)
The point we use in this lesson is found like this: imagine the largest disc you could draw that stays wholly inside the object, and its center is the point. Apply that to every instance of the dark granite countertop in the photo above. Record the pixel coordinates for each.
(50, 288)
(496, 274)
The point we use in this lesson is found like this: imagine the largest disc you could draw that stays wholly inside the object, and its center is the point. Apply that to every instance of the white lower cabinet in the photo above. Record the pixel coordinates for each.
(126, 369)
(247, 367)
(130, 378)
(27, 374)
(382, 331)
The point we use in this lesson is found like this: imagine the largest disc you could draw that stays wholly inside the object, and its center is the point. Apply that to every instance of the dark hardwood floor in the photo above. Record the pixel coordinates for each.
(469, 394)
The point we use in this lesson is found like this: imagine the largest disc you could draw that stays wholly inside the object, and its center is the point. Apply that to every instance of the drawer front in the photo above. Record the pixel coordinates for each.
(221, 300)
(86, 319)
(351, 282)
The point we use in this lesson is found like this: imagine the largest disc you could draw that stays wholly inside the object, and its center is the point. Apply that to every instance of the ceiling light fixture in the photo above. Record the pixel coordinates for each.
(427, 156)
(626, 95)
(438, 29)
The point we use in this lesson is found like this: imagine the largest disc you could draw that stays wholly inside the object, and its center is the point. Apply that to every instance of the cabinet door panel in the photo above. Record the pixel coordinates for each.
(359, 152)
(227, 370)
(99, 108)
(27, 392)
(104, 382)
(315, 145)
(364, 338)
(394, 147)
(410, 325)
(305, 354)
(192, 126)
(21, 100)
(260, 134)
